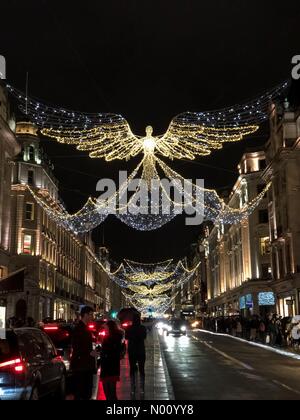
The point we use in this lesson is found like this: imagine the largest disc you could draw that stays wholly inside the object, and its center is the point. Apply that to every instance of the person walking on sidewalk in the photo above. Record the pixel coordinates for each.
(136, 335)
(83, 358)
(111, 353)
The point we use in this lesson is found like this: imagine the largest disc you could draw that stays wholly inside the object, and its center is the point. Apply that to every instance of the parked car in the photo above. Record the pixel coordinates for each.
(30, 366)
(61, 336)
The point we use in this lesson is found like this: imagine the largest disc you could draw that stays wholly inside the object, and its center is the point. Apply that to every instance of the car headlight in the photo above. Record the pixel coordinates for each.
(183, 328)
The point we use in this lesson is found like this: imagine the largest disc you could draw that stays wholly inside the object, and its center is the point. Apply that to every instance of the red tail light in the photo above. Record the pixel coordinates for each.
(102, 333)
(20, 368)
(91, 327)
(125, 324)
(15, 364)
(50, 328)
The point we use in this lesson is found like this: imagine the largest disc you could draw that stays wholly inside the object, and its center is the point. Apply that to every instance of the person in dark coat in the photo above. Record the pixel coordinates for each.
(136, 335)
(83, 359)
(111, 352)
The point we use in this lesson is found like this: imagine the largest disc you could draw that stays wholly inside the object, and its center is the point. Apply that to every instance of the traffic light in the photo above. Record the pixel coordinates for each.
(113, 314)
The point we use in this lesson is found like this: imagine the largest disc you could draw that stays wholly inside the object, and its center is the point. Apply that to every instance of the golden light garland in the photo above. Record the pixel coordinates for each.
(181, 141)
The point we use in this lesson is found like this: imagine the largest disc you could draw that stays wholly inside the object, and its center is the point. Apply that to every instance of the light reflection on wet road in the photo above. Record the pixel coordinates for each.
(202, 366)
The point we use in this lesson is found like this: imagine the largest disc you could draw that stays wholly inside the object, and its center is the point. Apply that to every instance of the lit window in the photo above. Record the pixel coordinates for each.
(264, 246)
(27, 244)
(29, 211)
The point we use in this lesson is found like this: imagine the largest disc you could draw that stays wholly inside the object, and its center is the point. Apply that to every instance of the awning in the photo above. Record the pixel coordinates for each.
(13, 283)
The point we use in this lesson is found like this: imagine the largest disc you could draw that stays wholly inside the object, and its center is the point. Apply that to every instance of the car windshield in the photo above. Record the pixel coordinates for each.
(176, 323)
(8, 346)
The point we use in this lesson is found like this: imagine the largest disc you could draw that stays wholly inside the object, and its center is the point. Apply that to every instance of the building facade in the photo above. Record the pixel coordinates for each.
(62, 270)
(238, 255)
(283, 159)
(9, 148)
(253, 267)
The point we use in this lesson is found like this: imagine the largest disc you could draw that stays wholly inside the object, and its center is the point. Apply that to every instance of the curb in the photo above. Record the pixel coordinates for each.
(251, 343)
(166, 371)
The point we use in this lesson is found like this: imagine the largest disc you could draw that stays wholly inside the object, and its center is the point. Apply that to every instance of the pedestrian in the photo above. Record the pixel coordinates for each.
(136, 335)
(83, 358)
(239, 328)
(111, 353)
(296, 335)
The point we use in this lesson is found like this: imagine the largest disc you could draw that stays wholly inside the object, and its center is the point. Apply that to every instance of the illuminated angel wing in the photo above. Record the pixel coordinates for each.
(109, 136)
(188, 140)
(109, 140)
(199, 133)
(103, 135)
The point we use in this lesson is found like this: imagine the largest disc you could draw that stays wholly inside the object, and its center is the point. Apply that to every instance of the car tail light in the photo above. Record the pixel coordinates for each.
(15, 364)
(19, 368)
(50, 328)
(91, 327)
(102, 333)
(125, 324)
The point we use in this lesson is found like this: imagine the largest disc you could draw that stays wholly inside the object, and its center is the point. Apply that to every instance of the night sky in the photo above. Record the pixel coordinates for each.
(147, 60)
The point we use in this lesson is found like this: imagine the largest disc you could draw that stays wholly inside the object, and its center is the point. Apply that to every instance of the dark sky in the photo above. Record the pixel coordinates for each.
(148, 60)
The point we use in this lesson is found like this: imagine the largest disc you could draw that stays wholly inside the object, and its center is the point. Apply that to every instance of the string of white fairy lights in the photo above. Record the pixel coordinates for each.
(251, 112)
(150, 286)
(189, 134)
(108, 136)
(148, 215)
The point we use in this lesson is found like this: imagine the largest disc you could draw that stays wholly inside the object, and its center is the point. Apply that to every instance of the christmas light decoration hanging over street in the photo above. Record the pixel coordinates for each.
(109, 136)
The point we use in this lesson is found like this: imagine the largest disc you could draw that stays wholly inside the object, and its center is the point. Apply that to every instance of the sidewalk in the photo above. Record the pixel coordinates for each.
(157, 384)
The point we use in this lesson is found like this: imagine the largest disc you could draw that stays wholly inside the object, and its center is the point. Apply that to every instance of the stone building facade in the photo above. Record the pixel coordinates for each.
(9, 148)
(253, 267)
(238, 263)
(62, 270)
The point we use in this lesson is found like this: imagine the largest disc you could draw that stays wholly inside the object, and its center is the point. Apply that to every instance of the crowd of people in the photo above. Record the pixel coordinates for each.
(272, 329)
(85, 354)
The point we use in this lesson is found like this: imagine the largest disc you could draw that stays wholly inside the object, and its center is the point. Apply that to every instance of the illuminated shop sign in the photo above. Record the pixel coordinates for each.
(246, 302)
(266, 299)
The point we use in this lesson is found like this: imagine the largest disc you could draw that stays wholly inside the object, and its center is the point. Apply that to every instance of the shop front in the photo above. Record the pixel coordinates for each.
(286, 305)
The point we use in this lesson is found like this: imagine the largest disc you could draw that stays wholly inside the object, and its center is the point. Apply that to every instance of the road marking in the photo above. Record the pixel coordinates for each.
(232, 359)
(285, 386)
(245, 365)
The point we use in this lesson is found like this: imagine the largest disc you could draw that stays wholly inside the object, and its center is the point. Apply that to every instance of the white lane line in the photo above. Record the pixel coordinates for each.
(241, 363)
(251, 343)
(232, 359)
(286, 386)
